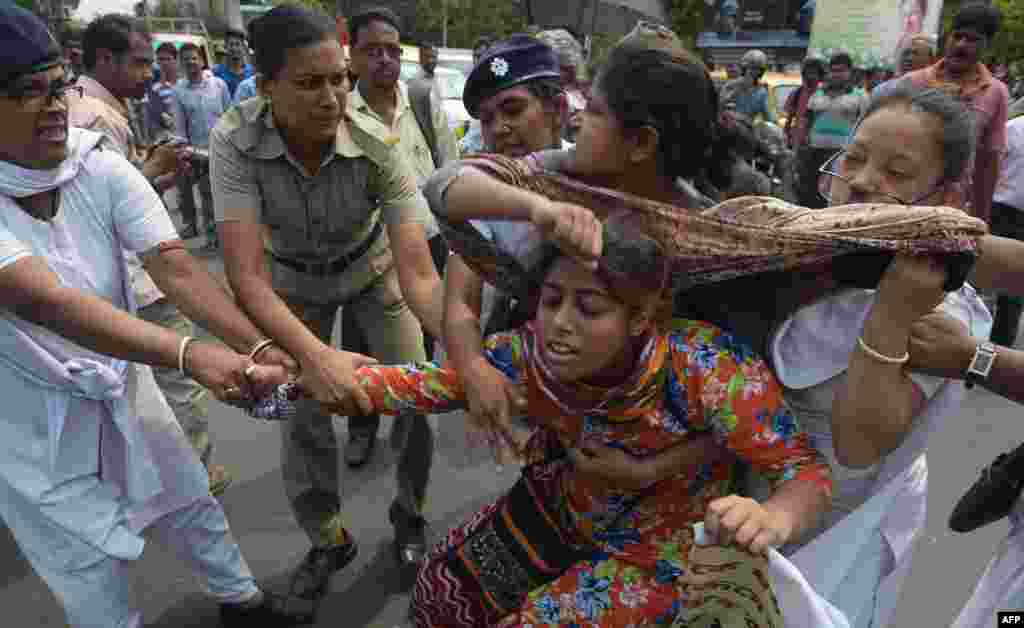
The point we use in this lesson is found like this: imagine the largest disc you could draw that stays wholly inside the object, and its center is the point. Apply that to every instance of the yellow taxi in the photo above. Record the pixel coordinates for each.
(780, 85)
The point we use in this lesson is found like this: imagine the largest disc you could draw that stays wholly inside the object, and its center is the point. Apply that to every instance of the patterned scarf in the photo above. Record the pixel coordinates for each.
(736, 238)
(564, 405)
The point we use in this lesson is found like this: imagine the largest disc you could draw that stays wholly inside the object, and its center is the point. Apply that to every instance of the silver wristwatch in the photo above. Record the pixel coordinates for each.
(981, 364)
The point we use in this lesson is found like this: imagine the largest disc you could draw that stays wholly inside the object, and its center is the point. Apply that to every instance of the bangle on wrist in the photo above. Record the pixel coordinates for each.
(880, 357)
(259, 348)
(182, 350)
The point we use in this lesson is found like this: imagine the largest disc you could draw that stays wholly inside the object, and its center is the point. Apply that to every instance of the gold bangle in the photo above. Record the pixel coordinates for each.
(878, 357)
(259, 348)
(182, 348)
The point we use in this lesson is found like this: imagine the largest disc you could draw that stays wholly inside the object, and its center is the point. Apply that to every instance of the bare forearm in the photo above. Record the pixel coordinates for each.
(986, 175)
(97, 325)
(872, 413)
(474, 195)
(463, 300)
(1000, 265)
(198, 295)
(803, 503)
(1007, 376)
(683, 456)
(425, 296)
(270, 313)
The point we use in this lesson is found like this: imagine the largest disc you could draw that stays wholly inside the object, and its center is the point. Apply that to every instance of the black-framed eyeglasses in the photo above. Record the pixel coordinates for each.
(834, 167)
(33, 98)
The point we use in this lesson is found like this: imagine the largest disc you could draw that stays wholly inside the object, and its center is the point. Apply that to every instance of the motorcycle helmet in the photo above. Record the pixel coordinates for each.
(814, 61)
(755, 61)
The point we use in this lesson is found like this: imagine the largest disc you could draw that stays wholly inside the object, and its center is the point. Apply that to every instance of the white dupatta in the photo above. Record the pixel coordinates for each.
(66, 370)
(808, 354)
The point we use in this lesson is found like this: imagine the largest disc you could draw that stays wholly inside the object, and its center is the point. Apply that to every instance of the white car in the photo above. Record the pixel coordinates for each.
(460, 59)
(450, 83)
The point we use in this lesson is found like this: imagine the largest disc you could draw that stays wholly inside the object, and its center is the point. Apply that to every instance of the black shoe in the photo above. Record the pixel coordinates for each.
(360, 448)
(273, 612)
(189, 231)
(992, 497)
(313, 575)
(410, 536)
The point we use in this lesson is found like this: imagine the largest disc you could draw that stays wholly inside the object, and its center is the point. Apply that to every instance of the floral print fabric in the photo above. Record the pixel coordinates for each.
(694, 379)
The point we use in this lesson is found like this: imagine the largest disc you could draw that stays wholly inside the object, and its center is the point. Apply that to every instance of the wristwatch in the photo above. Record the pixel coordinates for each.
(981, 364)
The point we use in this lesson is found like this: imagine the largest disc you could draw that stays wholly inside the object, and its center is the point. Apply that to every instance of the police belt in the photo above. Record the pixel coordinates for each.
(337, 266)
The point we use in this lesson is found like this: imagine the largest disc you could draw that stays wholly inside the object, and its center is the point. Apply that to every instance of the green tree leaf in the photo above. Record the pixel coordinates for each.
(467, 20)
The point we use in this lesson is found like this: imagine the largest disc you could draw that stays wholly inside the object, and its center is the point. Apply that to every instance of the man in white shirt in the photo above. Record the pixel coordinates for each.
(1008, 221)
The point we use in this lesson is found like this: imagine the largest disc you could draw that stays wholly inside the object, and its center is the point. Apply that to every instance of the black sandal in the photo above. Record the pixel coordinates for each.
(993, 496)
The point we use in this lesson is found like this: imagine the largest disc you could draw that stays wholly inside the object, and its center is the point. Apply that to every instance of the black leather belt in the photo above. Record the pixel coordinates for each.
(339, 265)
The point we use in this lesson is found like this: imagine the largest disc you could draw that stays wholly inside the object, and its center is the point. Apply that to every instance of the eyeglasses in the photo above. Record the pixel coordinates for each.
(35, 98)
(834, 168)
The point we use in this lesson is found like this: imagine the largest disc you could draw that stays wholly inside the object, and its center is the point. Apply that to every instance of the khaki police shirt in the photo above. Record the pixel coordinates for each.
(405, 134)
(309, 218)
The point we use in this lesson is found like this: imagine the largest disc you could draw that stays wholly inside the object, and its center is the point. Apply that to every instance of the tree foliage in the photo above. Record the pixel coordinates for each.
(686, 18)
(1008, 45)
(167, 8)
(316, 5)
(468, 19)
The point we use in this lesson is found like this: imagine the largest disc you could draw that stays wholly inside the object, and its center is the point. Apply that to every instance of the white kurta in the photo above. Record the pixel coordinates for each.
(91, 452)
(810, 353)
(1001, 587)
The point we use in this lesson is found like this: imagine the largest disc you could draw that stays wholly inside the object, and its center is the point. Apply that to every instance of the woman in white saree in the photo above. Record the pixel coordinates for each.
(91, 455)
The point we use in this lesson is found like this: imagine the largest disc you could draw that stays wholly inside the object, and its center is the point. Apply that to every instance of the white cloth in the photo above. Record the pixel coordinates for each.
(810, 350)
(66, 403)
(805, 591)
(1010, 189)
(1001, 587)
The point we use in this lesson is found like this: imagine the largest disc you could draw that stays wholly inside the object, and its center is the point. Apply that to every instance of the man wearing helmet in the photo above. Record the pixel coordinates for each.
(746, 95)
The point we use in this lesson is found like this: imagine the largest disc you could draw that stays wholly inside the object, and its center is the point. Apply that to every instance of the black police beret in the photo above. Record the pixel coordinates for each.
(26, 46)
(508, 63)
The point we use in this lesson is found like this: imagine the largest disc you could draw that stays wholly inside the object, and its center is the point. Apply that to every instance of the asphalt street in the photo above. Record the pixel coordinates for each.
(371, 592)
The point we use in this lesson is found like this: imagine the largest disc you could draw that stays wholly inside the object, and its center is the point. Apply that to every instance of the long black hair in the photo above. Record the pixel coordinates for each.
(674, 94)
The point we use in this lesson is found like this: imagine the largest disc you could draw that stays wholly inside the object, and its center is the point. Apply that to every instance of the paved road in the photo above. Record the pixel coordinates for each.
(372, 593)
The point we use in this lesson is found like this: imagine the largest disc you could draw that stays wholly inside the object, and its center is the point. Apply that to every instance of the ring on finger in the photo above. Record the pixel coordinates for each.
(232, 390)
(249, 370)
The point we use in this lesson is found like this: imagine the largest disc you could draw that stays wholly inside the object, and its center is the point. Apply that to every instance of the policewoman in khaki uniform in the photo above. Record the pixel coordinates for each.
(316, 213)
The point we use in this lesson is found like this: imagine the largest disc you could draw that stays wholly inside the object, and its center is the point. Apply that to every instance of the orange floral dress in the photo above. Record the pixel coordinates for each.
(695, 379)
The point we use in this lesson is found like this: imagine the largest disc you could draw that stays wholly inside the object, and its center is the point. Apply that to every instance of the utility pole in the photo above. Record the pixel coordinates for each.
(594, 5)
(233, 14)
(444, 23)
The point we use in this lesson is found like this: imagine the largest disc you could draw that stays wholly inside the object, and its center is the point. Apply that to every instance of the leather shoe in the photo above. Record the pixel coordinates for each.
(410, 536)
(313, 575)
(992, 497)
(272, 612)
(359, 448)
